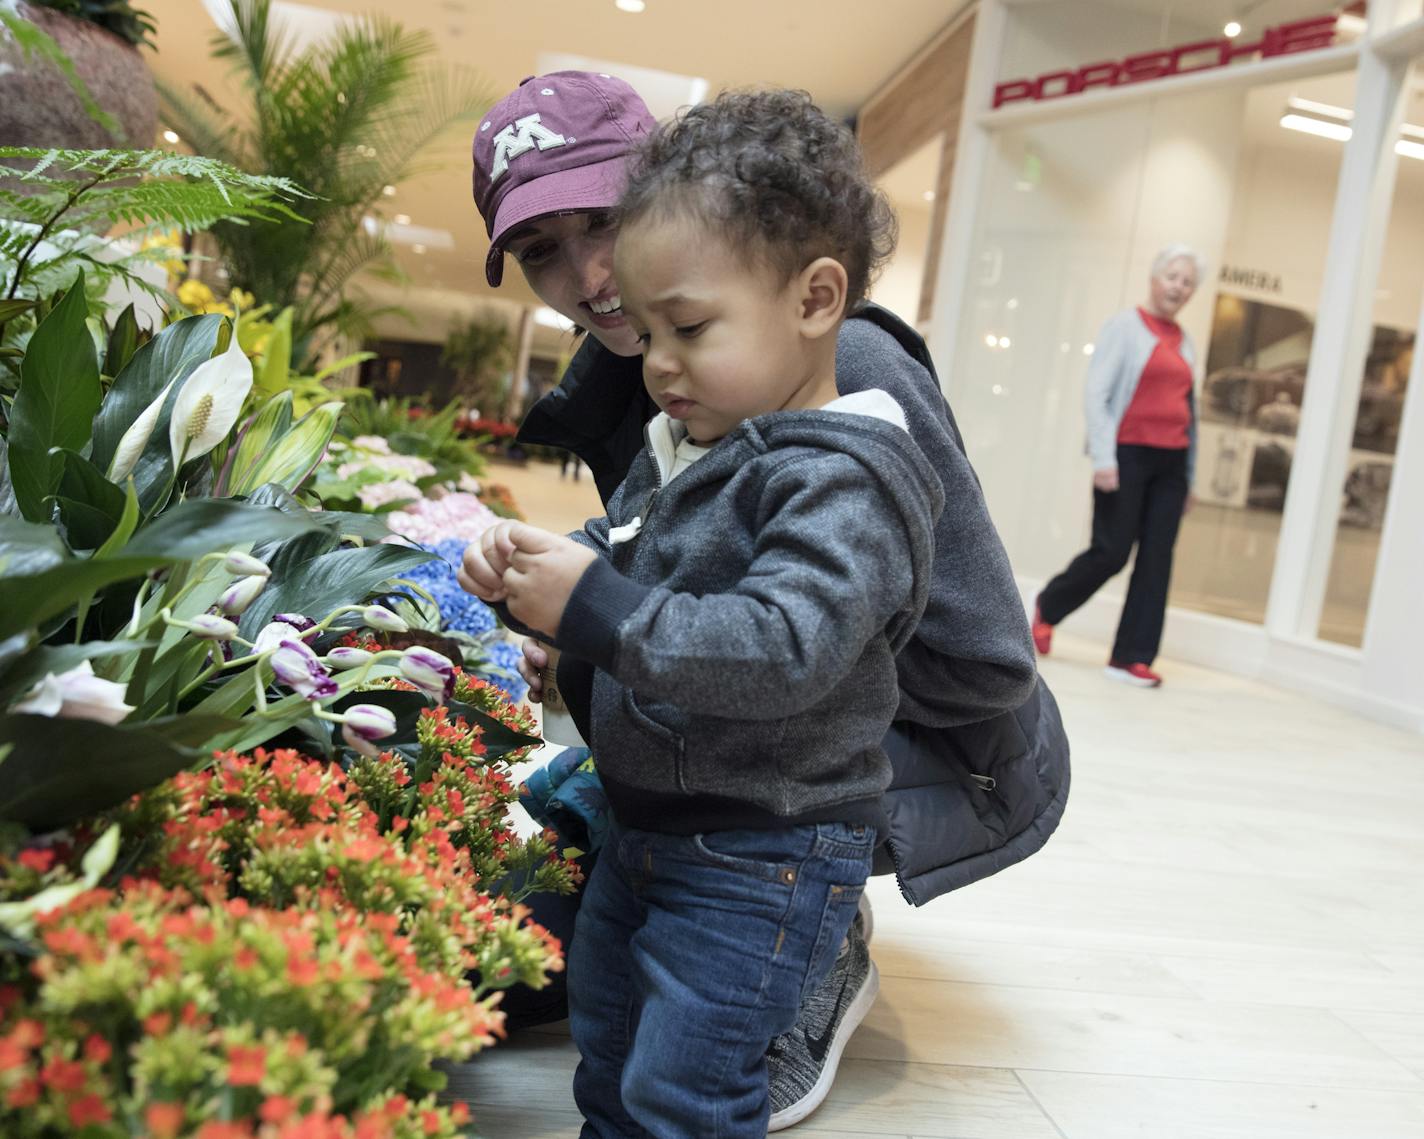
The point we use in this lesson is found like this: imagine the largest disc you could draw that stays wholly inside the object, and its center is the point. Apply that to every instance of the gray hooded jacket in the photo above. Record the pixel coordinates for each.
(745, 620)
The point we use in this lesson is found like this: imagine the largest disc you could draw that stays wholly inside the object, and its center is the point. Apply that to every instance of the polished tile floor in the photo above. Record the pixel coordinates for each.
(1225, 940)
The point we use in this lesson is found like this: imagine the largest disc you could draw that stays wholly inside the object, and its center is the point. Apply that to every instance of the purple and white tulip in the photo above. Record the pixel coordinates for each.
(211, 627)
(300, 669)
(298, 621)
(241, 593)
(343, 657)
(245, 565)
(379, 617)
(363, 723)
(76, 695)
(429, 671)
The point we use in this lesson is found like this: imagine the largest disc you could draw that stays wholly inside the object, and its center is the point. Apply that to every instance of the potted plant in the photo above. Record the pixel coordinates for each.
(71, 75)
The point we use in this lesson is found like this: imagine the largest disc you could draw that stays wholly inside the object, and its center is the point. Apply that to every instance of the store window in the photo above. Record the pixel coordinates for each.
(1370, 471)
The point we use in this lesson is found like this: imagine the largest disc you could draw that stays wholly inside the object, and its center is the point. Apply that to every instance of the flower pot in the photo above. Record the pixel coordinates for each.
(39, 108)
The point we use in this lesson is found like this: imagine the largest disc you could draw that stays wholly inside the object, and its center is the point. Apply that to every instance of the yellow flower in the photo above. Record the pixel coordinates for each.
(244, 300)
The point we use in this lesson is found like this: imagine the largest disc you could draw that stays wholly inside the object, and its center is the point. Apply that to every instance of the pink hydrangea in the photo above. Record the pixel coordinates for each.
(431, 520)
(377, 494)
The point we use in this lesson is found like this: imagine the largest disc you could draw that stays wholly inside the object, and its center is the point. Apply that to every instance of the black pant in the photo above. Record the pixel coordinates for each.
(1145, 510)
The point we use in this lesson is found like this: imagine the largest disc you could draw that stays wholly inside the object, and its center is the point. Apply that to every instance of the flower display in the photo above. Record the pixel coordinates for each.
(270, 904)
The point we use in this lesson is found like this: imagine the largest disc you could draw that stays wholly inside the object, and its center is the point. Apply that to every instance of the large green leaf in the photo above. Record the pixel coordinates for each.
(270, 423)
(342, 577)
(191, 529)
(201, 525)
(60, 771)
(59, 394)
(288, 461)
(123, 343)
(90, 506)
(171, 355)
(27, 547)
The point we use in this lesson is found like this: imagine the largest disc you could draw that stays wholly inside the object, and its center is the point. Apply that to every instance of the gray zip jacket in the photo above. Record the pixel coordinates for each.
(1121, 352)
(745, 617)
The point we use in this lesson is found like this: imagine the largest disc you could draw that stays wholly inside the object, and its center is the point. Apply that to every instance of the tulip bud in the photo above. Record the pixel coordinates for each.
(379, 617)
(296, 666)
(241, 565)
(211, 627)
(370, 721)
(343, 657)
(432, 673)
(242, 593)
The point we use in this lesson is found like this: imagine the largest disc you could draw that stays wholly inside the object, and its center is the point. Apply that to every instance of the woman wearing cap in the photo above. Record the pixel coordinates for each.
(981, 763)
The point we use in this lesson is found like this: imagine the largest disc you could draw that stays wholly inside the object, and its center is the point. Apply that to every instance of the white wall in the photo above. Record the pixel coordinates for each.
(898, 287)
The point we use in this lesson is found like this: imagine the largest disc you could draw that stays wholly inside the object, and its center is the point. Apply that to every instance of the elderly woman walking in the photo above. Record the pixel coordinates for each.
(1142, 430)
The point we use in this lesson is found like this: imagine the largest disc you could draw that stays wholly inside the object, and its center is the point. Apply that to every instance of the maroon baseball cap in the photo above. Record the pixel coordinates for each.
(557, 143)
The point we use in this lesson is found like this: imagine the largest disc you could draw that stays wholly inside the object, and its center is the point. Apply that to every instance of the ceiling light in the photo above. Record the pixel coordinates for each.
(1005, 342)
(929, 195)
(1087, 349)
(1320, 127)
(1232, 29)
(1011, 303)
(1409, 149)
(171, 136)
(388, 191)
(1348, 23)
(629, 5)
(401, 219)
(991, 340)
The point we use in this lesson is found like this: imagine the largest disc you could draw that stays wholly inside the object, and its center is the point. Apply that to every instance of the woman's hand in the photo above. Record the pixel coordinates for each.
(1106, 480)
(537, 657)
(482, 568)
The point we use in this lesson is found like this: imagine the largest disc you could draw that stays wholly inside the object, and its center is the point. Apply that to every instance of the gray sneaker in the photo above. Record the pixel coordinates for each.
(802, 1063)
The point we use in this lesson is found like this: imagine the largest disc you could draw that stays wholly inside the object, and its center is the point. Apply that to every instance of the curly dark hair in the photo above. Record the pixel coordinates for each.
(771, 170)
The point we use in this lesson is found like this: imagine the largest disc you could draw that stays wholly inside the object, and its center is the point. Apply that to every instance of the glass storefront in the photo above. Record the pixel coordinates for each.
(1070, 210)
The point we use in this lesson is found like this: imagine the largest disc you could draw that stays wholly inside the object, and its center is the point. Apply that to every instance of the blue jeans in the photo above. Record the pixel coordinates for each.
(692, 953)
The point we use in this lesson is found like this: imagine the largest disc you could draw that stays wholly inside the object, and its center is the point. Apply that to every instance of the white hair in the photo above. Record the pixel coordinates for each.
(1175, 252)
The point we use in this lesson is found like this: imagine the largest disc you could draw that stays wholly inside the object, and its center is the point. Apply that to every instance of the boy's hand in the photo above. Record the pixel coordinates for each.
(542, 572)
(482, 568)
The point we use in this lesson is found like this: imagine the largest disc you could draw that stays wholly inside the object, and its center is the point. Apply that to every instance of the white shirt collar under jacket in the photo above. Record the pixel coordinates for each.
(674, 452)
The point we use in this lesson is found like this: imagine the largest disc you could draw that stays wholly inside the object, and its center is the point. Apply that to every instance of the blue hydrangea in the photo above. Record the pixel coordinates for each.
(504, 655)
(459, 610)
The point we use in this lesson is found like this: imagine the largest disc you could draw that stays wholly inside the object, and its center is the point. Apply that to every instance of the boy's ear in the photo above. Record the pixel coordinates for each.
(823, 287)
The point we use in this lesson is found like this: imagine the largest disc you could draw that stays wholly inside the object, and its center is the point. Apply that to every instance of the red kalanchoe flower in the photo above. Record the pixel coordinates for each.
(246, 1066)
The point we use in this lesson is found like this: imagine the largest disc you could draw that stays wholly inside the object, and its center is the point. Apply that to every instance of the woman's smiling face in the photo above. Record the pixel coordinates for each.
(568, 261)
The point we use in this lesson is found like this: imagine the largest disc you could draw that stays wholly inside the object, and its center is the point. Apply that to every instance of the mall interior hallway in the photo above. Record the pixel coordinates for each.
(1225, 939)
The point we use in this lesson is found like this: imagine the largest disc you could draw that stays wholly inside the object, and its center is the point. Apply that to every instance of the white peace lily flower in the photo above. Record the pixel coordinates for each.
(209, 403)
(135, 439)
(76, 695)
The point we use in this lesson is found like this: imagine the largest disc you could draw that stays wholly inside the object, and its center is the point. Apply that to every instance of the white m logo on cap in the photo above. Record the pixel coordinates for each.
(520, 136)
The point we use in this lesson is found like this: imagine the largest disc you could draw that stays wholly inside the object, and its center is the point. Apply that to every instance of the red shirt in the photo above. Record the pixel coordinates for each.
(1160, 414)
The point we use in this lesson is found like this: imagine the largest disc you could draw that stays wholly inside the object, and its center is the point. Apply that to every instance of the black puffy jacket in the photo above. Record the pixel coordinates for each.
(980, 756)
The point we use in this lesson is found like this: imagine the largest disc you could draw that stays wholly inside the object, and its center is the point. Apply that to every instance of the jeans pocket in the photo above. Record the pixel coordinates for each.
(772, 855)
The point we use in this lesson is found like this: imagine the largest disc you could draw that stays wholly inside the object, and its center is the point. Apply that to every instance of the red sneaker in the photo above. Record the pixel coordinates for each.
(1135, 674)
(1042, 632)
